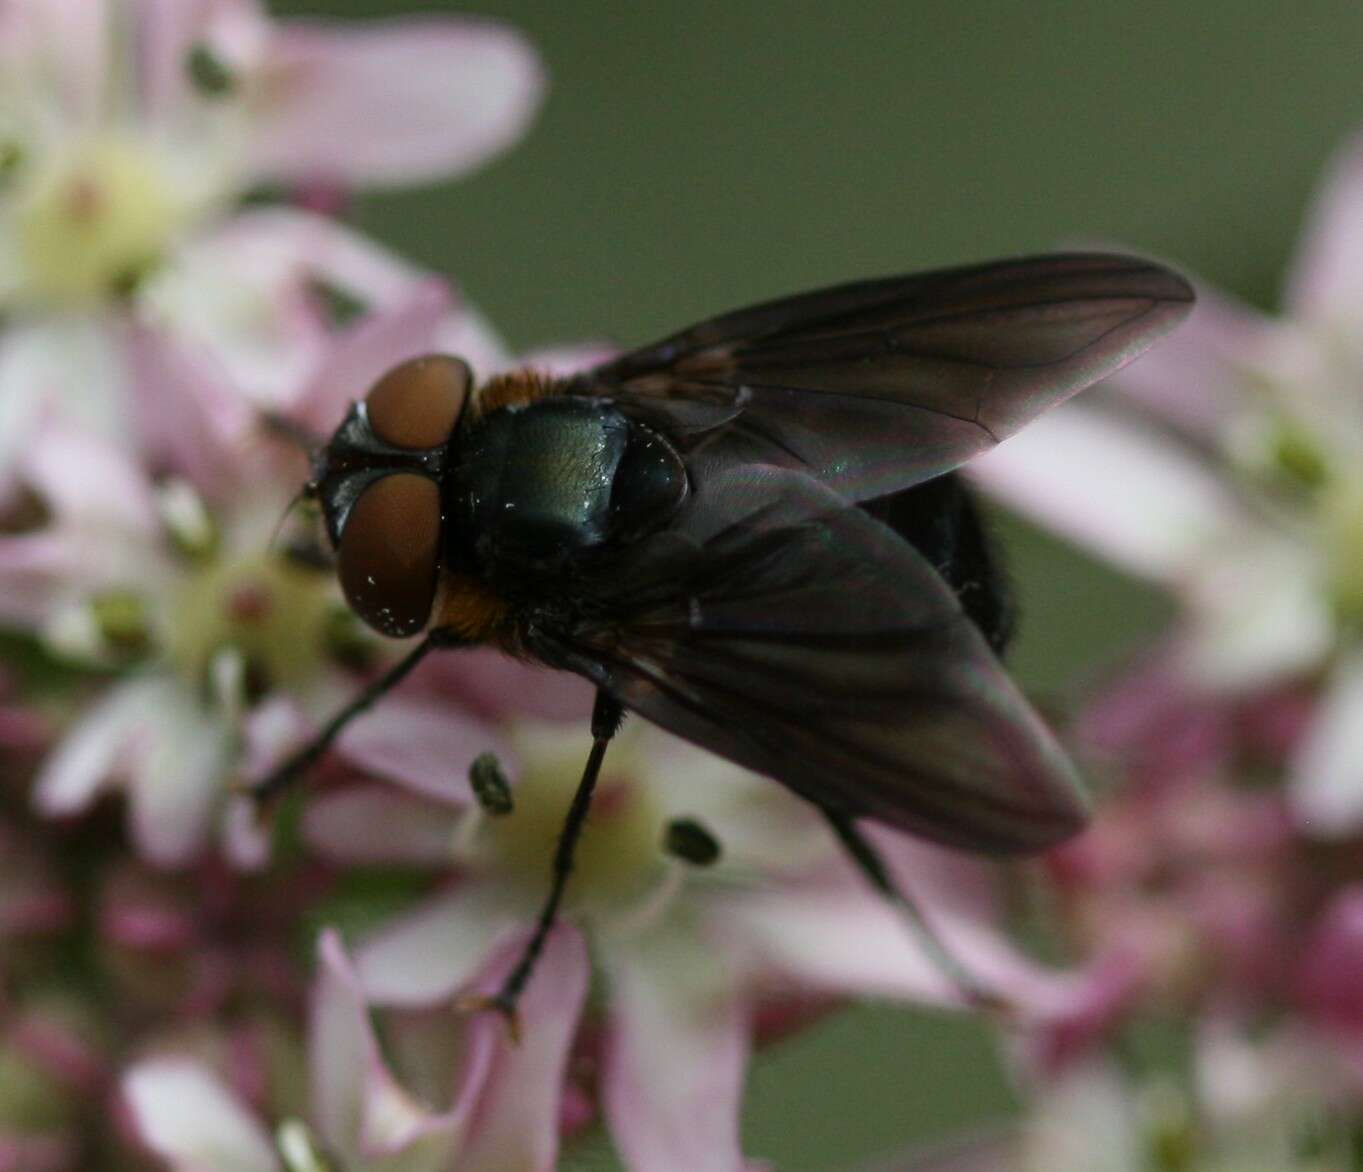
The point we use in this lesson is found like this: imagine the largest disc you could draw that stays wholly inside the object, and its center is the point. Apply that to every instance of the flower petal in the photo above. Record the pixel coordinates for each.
(467, 333)
(356, 359)
(21, 400)
(243, 836)
(1087, 1119)
(249, 297)
(561, 361)
(176, 780)
(1326, 977)
(496, 686)
(289, 238)
(1326, 791)
(37, 572)
(400, 102)
(516, 1128)
(1195, 378)
(831, 942)
(1258, 611)
(188, 412)
(240, 296)
(843, 938)
(89, 481)
(92, 749)
(1154, 722)
(675, 1057)
(60, 46)
(422, 744)
(74, 363)
(341, 827)
(762, 827)
(436, 949)
(1112, 487)
(190, 1119)
(359, 1107)
(1327, 275)
(168, 30)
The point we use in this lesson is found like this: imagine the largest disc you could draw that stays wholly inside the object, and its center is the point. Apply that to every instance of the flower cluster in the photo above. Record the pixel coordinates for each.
(1227, 470)
(179, 985)
(1223, 877)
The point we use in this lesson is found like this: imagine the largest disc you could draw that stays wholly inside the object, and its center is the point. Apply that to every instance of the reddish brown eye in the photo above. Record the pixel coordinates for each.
(389, 551)
(417, 404)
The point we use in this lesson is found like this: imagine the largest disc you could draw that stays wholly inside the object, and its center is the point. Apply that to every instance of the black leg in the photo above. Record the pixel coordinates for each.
(871, 865)
(606, 717)
(294, 766)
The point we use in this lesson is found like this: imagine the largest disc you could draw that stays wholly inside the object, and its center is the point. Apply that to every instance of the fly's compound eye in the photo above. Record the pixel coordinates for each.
(416, 405)
(388, 553)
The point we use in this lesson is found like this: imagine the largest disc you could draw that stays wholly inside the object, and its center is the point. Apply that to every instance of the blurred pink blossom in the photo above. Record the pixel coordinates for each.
(1264, 1106)
(166, 565)
(102, 958)
(1227, 468)
(1195, 879)
(1329, 975)
(496, 1107)
(1231, 1036)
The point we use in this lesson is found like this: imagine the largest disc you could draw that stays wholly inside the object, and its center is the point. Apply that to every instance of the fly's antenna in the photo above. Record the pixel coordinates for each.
(304, 552)
(313, 446)
(301, 495)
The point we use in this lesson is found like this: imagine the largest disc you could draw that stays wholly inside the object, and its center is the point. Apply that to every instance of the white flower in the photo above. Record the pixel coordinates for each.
(129, 128)
(175, 579)
(692, 946)
(500, 1116)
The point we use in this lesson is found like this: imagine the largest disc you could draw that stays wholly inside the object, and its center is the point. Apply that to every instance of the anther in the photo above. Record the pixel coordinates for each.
(490, 785)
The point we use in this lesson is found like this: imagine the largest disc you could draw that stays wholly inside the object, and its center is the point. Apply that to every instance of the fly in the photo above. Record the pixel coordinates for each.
(751, 534)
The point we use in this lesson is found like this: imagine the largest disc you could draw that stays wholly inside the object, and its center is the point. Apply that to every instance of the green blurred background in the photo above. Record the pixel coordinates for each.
(694, 157)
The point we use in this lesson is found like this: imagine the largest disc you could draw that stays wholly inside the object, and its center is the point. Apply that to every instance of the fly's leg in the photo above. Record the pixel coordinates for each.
(606, 717)
(293, 767)
(872, 866)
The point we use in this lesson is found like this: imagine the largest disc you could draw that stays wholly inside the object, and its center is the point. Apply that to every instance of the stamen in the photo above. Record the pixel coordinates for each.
(299, 1148)
(490, 785)
(186, 518)
(209, 73)
(121, 618)
(11, 159)
(688, 840)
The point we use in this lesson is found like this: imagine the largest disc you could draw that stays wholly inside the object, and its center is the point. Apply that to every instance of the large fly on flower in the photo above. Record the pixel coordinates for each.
(749, 533)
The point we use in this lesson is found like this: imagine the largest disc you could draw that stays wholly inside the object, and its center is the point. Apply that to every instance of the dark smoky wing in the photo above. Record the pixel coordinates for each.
(789, 631)
(875, 386)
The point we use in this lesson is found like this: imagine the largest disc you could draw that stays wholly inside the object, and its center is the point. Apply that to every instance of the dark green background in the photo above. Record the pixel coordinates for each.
(693, 157)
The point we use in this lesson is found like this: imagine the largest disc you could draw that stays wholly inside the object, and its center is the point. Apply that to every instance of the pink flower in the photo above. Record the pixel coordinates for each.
(1329, 975)
(154, 106)
(694, 953)
(497, 1110)
(169, 569)
(1190, 876)
(102, 958)
(1226, 467)
(1252, 1101)
(130, 130)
